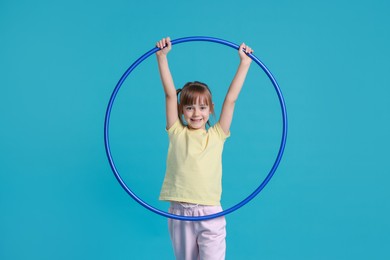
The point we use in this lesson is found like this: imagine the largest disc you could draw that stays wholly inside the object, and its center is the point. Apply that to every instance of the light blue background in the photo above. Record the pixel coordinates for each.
(60, 61)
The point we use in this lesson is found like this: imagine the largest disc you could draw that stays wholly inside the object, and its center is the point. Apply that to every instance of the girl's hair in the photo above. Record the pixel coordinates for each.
(190, 93)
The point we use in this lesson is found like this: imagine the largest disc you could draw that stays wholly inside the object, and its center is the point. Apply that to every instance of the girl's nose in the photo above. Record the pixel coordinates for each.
(196, 111)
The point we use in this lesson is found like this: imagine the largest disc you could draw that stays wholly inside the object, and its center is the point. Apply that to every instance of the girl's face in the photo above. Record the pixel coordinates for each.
(196, 115)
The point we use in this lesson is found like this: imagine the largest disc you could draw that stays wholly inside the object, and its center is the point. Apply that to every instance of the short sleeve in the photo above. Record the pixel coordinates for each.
(219, 131)
(177, 127)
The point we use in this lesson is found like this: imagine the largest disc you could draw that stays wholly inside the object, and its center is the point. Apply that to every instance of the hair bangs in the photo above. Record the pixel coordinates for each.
(194, 94)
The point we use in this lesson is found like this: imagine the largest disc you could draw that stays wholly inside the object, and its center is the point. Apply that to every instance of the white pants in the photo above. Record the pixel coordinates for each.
(197, 240)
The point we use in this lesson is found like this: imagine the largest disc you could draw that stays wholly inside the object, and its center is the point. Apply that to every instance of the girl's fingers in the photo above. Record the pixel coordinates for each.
(246, 48)
(167, 42)
(164, 42)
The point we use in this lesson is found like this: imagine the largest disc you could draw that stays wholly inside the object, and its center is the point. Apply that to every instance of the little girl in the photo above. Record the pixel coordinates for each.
(194, 164)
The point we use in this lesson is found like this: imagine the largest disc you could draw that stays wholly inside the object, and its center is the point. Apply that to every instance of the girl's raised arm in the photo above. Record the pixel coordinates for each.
(226, 117)
(167, 81)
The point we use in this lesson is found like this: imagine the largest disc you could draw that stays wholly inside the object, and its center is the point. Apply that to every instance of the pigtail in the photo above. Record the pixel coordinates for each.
(178, 91)
(179, 108)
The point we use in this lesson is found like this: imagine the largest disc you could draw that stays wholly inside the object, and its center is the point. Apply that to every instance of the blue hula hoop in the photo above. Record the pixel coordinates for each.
(247, 199)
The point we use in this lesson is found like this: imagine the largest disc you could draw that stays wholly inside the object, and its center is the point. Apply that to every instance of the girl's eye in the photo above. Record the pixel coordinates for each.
(189, 108)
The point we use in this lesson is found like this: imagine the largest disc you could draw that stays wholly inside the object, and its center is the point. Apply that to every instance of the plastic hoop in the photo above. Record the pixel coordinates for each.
(226, 211)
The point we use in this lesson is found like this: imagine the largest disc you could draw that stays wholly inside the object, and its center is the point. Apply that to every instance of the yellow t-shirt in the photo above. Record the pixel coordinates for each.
(194, 165)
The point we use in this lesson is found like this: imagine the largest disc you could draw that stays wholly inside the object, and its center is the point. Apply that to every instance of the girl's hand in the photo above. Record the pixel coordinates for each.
(165, 46)
(243, 51)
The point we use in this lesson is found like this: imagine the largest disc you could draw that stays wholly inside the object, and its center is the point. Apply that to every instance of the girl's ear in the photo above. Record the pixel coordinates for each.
(212, 108)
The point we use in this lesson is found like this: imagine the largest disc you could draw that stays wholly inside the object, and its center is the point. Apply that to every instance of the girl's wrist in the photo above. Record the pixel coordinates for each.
(161, 56)
(245, 62)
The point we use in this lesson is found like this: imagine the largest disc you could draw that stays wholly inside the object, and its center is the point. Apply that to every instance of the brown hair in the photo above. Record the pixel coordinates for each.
(190, 93)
